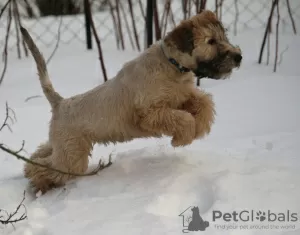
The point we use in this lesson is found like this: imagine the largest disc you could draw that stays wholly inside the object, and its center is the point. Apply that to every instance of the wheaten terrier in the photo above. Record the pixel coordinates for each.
(151, 96)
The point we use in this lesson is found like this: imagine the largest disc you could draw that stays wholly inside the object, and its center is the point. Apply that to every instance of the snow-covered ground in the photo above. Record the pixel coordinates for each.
(250, 161)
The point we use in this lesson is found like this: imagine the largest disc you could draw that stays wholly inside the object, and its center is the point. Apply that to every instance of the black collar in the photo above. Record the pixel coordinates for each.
(181, 68)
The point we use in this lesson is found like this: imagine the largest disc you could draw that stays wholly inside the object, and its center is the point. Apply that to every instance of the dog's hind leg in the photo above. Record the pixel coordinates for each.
(201, 106)
(43, 151)
(68, 156)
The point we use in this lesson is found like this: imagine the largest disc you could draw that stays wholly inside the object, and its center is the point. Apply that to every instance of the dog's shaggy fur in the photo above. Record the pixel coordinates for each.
(149, 97)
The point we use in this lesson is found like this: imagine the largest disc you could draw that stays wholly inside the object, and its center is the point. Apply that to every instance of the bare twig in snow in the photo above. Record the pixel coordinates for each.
(11, 218)
(16, 154)
(57, 42)
(281, 55)
(8, 117)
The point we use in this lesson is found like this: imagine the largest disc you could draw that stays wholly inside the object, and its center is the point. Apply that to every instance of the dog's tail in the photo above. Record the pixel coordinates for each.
(53, 97)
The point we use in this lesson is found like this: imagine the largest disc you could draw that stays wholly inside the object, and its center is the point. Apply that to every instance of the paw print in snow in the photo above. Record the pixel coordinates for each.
(261, 216)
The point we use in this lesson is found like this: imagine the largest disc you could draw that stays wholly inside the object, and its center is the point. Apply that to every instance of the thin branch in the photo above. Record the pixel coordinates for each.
(111, 9)
(277, 39)
(216, 8)
(190, 8)
(142, 9)
(236, 16)
(281, 55)
(202, 6)
(184, 8)
(291, 15)
(10, 217)
(29, 9)
(134, 26)
(127, 25)
(98, 44)
(120, 25)
(6, 44)
(167, 9)
(32, 97)
(57, 42)
(220, 9)
(172, 16)
(16, 20)
(267, 30)
(16, 154)
(4, 7)
(156, 21)
(7, 118)
(163, 15)
(268, 46)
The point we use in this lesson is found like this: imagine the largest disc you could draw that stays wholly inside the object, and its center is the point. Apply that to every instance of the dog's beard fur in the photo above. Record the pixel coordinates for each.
(218, 68)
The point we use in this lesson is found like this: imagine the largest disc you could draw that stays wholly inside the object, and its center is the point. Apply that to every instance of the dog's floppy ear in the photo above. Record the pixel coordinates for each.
(182, 37)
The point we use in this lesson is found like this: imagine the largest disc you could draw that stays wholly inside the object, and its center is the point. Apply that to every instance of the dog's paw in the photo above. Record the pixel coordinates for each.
(185, 131)
(180, 142)
(202, 129)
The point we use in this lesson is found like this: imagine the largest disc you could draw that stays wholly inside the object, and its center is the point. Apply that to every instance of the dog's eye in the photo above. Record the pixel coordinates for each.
(211, 41)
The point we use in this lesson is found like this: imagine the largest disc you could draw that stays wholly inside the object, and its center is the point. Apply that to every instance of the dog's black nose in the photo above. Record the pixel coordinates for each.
(238, 58)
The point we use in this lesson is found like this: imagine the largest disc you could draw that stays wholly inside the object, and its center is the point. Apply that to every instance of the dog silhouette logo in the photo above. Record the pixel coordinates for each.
(192, 220)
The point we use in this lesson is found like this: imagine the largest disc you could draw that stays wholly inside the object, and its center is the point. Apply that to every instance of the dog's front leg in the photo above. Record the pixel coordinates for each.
(201, 106)
(176, 123)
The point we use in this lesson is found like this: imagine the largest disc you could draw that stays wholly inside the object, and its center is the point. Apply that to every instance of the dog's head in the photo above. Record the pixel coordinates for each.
(201, 44)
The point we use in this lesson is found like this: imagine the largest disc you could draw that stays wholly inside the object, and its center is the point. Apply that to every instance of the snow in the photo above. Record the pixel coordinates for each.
(250, 161)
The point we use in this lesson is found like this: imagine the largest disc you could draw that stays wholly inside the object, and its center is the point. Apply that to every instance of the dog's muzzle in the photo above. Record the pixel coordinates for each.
(205, 69)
